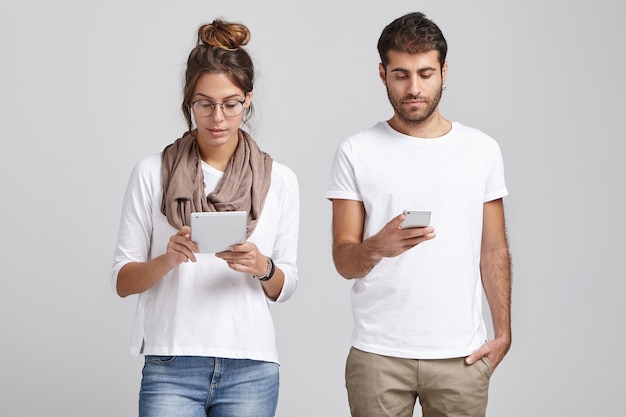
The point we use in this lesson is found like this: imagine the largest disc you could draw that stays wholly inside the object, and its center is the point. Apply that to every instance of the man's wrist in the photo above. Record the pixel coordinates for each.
(370, 252)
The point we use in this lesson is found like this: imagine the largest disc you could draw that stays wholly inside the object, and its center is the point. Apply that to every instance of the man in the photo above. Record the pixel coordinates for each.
(417, 295)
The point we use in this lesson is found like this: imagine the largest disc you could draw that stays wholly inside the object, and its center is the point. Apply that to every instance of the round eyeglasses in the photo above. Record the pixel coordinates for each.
(230, 108)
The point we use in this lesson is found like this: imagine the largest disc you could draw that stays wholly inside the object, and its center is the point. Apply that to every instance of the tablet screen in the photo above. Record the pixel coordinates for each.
(216, 231)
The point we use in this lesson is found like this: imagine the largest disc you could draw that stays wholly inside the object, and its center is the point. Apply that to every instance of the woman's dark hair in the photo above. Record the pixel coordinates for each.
(219, 50)
(412, 33)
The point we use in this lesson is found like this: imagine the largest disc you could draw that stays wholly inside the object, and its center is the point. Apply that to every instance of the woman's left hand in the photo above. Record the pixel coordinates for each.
(245, 258)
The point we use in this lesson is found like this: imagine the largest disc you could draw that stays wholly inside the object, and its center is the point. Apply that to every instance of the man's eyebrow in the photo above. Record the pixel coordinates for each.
(400, 69)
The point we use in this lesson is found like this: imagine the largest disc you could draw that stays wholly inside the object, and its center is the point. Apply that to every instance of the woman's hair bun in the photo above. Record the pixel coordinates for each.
(224, 35)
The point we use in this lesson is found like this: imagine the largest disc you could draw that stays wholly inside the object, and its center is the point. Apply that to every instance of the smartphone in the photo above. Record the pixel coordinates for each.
(416, 218)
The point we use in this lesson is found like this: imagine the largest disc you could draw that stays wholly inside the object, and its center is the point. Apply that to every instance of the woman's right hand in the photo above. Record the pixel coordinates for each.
(181, 248)
(137, 277)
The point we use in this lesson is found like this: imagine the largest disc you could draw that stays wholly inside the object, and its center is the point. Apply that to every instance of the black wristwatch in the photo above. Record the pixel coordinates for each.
(270, 271)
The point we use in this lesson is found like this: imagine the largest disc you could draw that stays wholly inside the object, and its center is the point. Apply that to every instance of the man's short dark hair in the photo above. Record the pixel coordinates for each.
(412, 33)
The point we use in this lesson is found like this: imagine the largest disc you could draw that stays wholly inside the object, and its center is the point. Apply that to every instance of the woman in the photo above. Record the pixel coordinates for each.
(203, 322)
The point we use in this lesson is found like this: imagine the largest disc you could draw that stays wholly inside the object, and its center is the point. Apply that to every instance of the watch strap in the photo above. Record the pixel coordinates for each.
(271, 268)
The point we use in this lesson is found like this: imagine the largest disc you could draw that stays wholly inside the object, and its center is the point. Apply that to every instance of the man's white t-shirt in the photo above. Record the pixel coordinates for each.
(427, 302)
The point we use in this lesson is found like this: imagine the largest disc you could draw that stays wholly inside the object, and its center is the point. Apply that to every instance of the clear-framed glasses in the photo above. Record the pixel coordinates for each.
(230, 108)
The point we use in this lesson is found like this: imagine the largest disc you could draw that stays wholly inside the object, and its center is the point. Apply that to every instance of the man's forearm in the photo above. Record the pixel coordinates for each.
(496, 276)
(355, 260)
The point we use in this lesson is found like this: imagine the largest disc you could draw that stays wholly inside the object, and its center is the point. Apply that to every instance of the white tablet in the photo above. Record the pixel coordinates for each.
(216, 231)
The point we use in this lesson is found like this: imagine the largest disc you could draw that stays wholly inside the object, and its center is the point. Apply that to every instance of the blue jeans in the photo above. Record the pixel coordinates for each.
(193, 386)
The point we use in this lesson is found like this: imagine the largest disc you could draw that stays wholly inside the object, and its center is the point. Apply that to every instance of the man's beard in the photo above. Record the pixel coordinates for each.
(416, 117)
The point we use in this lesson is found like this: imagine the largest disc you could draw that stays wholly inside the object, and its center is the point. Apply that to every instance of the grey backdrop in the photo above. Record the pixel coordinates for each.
(87, 88)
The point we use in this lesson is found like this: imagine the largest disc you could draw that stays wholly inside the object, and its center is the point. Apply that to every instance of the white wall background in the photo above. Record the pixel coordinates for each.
(87, 88)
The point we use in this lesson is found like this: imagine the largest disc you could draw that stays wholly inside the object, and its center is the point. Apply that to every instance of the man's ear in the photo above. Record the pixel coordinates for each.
(382, 73)
(444, 72)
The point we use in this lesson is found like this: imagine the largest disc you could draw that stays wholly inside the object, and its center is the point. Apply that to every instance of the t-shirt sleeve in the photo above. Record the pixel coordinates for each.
(135, 229)
(342, 183)
(284, 253)
(495, 187)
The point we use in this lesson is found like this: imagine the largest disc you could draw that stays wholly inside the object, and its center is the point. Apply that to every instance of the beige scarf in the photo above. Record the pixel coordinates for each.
(243, 187)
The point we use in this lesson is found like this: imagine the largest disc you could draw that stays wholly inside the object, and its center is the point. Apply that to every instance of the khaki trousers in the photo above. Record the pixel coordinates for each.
(384, 386)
